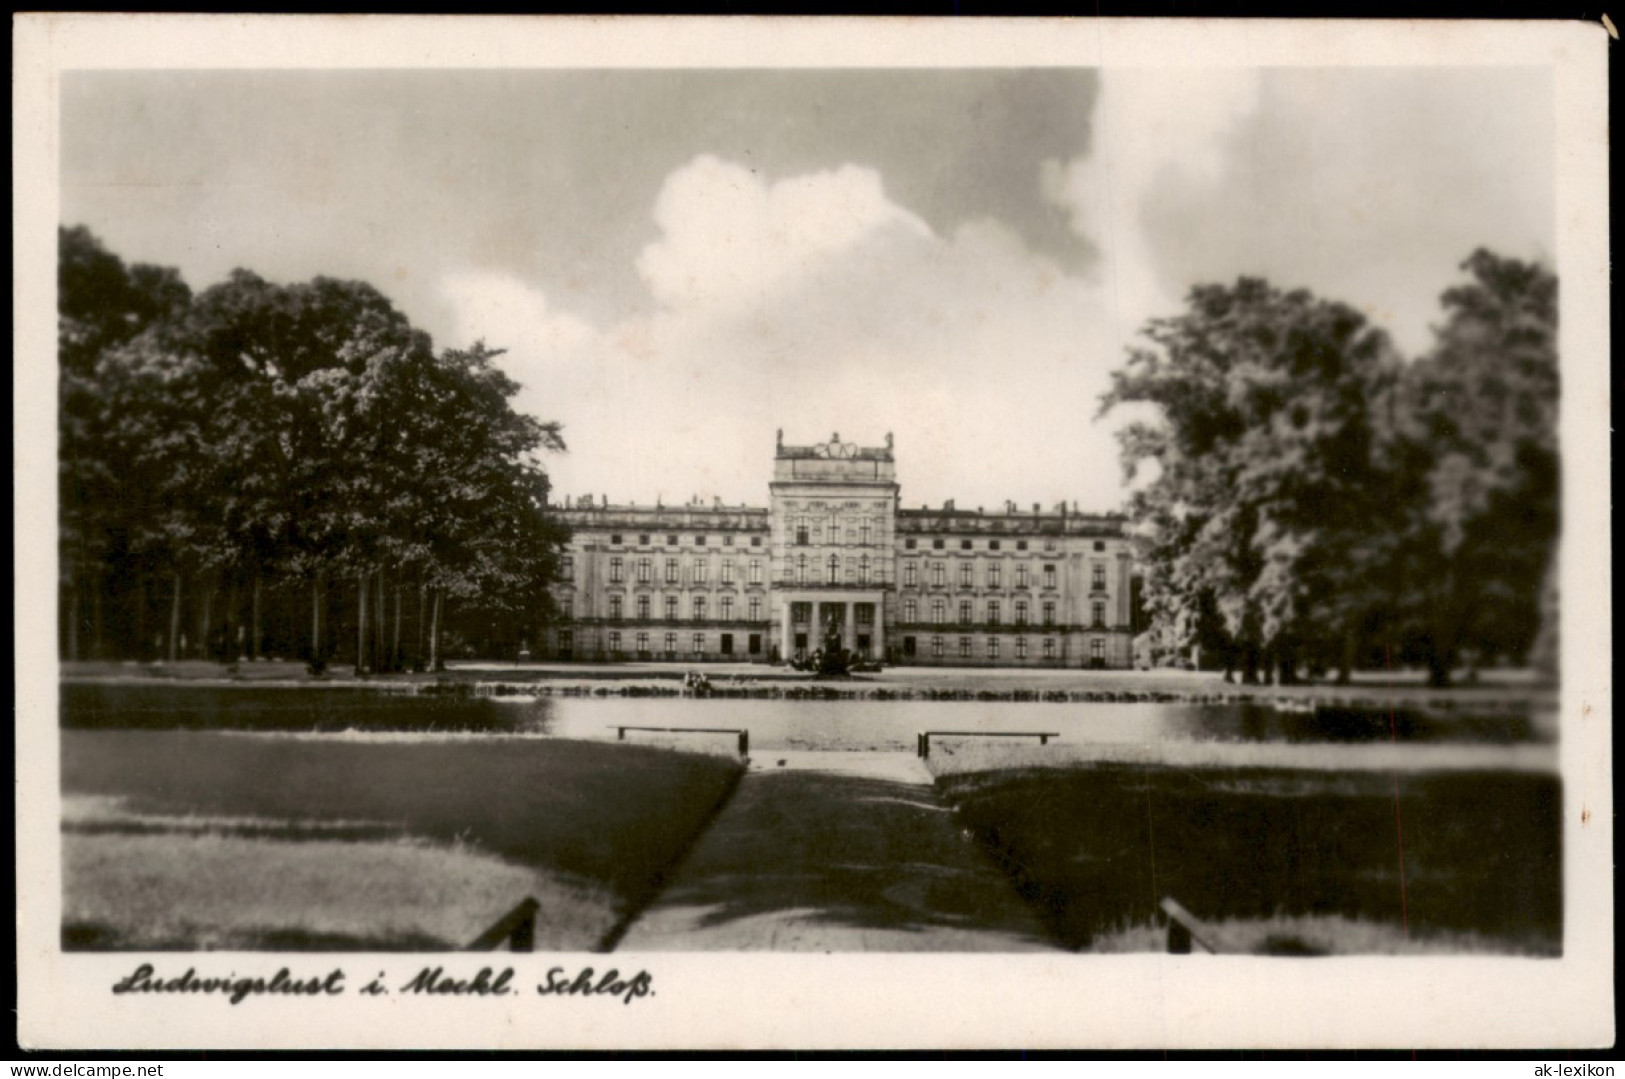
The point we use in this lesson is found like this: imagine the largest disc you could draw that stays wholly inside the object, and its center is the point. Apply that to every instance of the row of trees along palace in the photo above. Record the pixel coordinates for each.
(1314, 500)
(291, 470)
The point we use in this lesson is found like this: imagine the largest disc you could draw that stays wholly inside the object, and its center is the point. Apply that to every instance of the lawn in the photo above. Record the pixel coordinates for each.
(191, 839)
(1310, 857)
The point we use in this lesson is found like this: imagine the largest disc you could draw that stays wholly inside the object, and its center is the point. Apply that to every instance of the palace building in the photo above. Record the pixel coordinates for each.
(932, 587)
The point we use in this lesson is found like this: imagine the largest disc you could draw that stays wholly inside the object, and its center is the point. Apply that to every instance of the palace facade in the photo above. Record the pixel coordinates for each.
(932, 587)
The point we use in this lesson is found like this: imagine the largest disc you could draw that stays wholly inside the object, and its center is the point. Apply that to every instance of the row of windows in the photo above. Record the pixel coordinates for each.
(672, 540)
(995, 612)
(699, 608)
(862, 613)
(993, 575)
(1097, 648)
(672, 570)
(939, 544)
(832, 570)
(813, 530)
(725, 643)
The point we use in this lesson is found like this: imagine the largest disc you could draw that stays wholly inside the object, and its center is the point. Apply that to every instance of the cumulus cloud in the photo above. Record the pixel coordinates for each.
(1366, 186)
(726, 235)
(818, 304)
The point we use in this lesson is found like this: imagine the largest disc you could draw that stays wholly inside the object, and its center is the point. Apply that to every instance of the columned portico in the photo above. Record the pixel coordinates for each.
(818, 606)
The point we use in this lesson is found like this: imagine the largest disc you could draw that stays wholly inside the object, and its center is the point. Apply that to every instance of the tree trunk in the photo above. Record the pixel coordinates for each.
(434, 634)
(204, 641)
(1249, 665)
(1438, 667)
(231, 627)
(395, 663)
(423, 603)
(1345, 660)
(380, 653)
(254, 631)
(72, 609)
(143, 616)
(175, 619)
(315, 621)
(98, 647)
(361, 625)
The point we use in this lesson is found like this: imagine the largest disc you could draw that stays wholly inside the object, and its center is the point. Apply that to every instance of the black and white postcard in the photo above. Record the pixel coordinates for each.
(727, 534)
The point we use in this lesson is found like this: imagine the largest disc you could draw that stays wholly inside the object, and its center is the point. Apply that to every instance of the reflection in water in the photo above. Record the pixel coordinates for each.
(773, 724)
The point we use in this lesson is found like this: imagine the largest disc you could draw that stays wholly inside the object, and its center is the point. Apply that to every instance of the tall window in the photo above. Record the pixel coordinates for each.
(801, 531)
(1021, 576)
(699, 608)
(671, 608)
(1021, 647)
(1049, 647)
(939, 574)
(615, 570)
(727, 571)
(936, 647)
(1097, 649)
(756, 571)
(1021, 612)
(699, 643)
(964, 612)
(567, 568)
(644, 570)
(1049, 575)
(756, 608)
(699, 572)
(939, 611)
(964, 648)
(863, 569)
(801, 569)
(643, 606)
(832, 569)
(993, 575)
(992, 648)
(615, 607)
(727, 608)
(966, 574)
(992, 612)
(1097, 580)
(643, 644)
(671, 571)
(671, 643)
(863, 532)
(1097, 613)
(911, 610)
(1049, 612)
(614, 641)
(567, 607)
(909, 574)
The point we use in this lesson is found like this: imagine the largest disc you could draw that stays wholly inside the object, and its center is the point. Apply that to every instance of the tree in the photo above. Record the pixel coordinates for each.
(1265, 481)
(1476, 425)
(262, 434)
(102, 306)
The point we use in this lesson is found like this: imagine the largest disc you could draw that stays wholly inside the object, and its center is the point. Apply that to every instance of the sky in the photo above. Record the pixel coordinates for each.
(680, 263)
